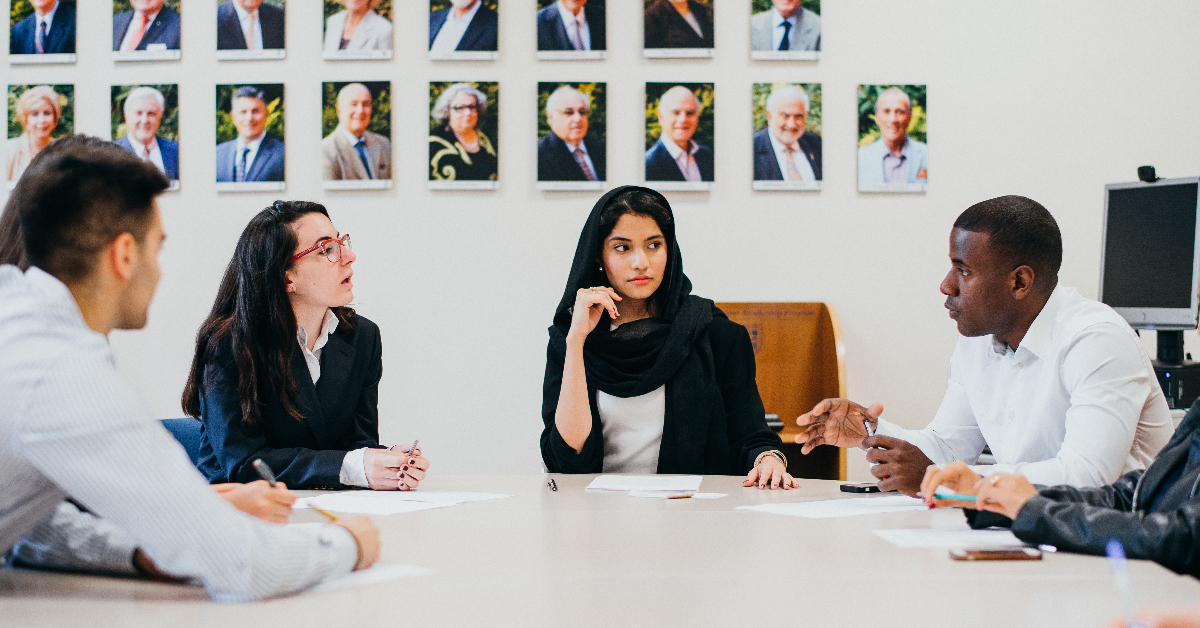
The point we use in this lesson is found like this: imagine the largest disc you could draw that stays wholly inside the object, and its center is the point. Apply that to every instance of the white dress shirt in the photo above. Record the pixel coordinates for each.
(777, 29)
(253, 145)
(453, 29)
(155, 156)
(47, 19)
(633, 429)
(572, 22)
(685, 161)
(1076, 403)
(353, 471)
(798, 158)
(251, 27)
(127, 43)
(72, 427)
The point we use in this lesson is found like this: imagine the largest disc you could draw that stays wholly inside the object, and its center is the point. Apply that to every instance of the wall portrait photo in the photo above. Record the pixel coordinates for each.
(356, 124)
(145, 121)
(571, 151)
(675, 29)
(250, 138)
(680, 126)
(787, 136)
(464, 30)
(892, 152)
(785, 30)
(146, 30)
(463, 145)
(41, 31)
(37, 115)
(358, 29)
(250, 29)
(571, 30)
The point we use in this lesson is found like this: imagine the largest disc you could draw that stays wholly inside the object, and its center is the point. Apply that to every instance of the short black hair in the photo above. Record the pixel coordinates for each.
(1021, 231)
(81, 198)
(248, 91)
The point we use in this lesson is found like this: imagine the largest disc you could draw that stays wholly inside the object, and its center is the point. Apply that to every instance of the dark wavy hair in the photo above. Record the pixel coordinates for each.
(253, 316)
(638, 203)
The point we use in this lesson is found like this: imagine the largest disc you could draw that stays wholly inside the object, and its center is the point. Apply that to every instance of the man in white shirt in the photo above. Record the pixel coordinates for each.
(252, 155)
(73, 427)
(144, 108)
(785, 150)
(1057, 385)
(675, 157)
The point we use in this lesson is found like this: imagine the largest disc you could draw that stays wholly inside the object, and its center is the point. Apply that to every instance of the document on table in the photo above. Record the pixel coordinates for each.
(671, 483)
(949, 538)
(391, 502)
(379, 572)
(841, 507)
(666, 494)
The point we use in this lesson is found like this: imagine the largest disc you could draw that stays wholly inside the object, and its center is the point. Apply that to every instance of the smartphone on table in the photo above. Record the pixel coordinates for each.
(996, 553)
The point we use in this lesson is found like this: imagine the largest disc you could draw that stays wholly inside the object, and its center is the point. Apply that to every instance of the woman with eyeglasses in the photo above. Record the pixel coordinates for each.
(642, 376)
(285, 371)
(458, 148)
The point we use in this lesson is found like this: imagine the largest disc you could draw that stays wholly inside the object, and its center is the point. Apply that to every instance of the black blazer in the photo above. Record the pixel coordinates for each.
(164, 30)
(660, 166)
(60, 39)
(552, 35)
(728, 448)
(766, 167)
(483, 33)
(340, 414)
(556, 163)
(666, 28)
(229, 28)
(1084, 519)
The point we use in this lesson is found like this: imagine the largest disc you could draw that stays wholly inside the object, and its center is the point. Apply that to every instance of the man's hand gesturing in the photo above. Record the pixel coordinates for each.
(837, 422)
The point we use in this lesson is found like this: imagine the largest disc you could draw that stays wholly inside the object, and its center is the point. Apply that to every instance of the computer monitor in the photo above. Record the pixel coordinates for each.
(1150, 263)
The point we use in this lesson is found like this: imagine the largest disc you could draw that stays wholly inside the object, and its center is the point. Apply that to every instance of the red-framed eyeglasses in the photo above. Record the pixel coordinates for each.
(330, 248)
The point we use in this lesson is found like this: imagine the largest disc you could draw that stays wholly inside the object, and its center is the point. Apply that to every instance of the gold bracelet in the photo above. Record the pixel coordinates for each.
(773, 452)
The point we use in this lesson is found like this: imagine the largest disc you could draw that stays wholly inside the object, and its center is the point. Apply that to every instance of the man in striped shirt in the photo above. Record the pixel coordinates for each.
(71, 427)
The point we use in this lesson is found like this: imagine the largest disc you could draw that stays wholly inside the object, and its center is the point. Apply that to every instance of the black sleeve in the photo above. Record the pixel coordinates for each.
(1118, 495)
(366, 413)
(235, 444)
(745, 417)
(556, 453)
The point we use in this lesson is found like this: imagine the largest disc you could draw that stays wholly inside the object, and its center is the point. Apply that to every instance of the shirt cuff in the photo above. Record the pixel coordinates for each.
(354, 470)
(885, 428)
(344, 546)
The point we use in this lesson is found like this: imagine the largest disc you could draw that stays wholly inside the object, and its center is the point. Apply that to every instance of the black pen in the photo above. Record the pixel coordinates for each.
(264, 471)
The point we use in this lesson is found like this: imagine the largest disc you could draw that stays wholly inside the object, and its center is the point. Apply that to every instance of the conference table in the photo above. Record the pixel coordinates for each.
(578, 558)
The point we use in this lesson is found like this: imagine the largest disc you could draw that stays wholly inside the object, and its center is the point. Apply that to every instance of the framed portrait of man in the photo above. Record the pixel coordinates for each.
(250, 29)
(787, 136)
(571, 151)
(146, 30)
(893, 153)
(37, 115)
(675, 29)
(464, 30)
(785, 30)
(571, 30)
(357, 29)
(679, 136)
(463, 143)
(250, 138)
(145, 121)
(41, 31)
(356, 127)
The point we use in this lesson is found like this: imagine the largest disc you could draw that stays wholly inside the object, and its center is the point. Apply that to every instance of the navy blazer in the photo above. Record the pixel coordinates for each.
(229, 27)
(660, 166)
(60, 39)
(665, 27)
(164, 30)
(267, 164)
(483, 32)
(556, 163)
(339, 414)
(766, 167)
(169, 150)
(552, 35)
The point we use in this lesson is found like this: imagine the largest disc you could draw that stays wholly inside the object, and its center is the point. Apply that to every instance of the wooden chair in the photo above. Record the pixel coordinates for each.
(800, 359)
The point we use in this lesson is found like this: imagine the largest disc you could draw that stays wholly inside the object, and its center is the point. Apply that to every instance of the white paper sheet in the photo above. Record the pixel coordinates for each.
(841, 507)
(379, 572)
(949, 538)
(391, 502)
(646, 483)
(666, 494)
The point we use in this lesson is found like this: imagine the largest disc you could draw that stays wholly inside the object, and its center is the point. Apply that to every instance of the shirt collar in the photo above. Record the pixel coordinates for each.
(48, 285)
(676, 151)
(777, 18)
(252, 144)
(1040, 335)
(350, 136)
(152, 145)
(48, 18)
(779, 146)
(903, 149)
(328, 326)
(569, 18)
(241, 12)
(466, 18)
(571, 147)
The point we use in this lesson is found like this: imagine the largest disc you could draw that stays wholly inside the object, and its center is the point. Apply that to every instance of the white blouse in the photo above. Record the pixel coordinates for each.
(633, 429)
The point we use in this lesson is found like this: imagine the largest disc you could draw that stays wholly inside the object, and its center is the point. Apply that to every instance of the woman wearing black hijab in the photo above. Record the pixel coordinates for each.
(641, 375)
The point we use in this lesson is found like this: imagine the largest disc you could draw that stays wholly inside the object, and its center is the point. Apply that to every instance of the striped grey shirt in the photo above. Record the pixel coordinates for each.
(72, 426)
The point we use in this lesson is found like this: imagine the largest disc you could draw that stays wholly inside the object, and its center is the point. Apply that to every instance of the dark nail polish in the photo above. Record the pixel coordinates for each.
(405, 468)
(412, 462)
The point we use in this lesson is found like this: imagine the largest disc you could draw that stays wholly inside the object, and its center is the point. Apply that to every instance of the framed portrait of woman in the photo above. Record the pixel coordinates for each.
(37, 115)
(357, 29)
(463, 143)
(464, 30)
(676, 29)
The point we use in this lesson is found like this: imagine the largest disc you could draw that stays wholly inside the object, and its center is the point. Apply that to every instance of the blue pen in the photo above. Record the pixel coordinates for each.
(1120, 573)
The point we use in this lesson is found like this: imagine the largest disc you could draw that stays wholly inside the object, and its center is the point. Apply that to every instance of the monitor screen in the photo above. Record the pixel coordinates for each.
(1149, 259)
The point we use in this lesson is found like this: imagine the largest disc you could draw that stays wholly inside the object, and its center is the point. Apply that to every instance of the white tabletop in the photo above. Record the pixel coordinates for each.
(573, 558)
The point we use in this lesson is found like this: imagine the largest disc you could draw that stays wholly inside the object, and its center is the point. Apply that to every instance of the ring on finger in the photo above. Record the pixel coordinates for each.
(994, 479)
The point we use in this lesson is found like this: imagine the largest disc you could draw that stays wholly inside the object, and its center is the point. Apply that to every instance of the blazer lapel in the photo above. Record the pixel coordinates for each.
(337, 360)
(151, 33)
(350, 157)
(473, 33)
(307, 401)
(259, 165)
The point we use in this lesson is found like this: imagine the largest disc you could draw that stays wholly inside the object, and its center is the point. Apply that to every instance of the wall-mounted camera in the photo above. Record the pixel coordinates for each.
(1146, 173)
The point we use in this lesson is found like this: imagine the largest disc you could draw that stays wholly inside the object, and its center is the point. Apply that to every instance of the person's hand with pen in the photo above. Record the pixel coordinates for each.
(400, 468)
(1003, 493)
(269, 503)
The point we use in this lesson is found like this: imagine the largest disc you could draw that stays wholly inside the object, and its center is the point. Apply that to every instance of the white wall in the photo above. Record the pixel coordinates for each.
(1046, 99)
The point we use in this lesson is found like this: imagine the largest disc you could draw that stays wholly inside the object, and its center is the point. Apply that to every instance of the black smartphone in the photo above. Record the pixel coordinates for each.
(860, 487)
